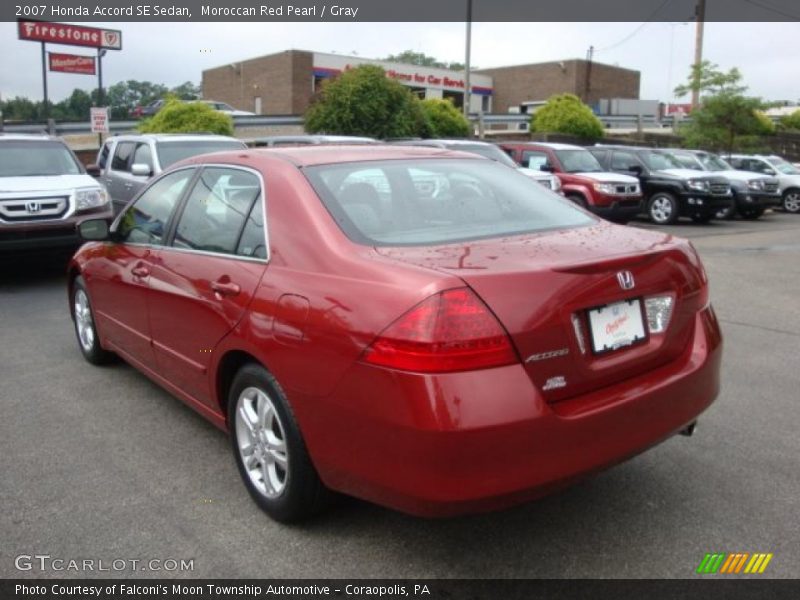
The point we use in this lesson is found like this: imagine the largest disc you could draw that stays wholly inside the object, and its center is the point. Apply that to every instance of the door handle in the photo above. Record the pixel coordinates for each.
(129, 185)
(140, 271)
(225, 288)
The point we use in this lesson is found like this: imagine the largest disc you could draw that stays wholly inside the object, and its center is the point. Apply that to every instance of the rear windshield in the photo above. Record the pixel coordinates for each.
(36, 158)
(437, 201)
(172, 152)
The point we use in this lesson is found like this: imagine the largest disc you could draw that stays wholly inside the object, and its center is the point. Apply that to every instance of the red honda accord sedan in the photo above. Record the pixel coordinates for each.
(424, 329)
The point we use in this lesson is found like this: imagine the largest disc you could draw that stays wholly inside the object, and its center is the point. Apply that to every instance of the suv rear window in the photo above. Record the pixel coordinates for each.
(23, 158)
(430, 202)
(172, 152)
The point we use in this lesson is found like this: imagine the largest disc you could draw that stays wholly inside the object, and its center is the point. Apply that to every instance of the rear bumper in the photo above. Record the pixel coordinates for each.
(470, 442)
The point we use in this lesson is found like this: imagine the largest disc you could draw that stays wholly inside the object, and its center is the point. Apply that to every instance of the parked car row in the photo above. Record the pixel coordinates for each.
(149, 110)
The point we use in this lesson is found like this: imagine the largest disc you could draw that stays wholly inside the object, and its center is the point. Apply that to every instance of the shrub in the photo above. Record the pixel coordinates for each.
(791, 121)
(187, 117)
(363, 101)
(444, 119)
(566, 113)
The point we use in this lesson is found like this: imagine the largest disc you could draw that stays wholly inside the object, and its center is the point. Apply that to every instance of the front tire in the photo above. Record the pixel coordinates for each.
(85, 328)
(791, 201)
(752, 214)
(269, 449)
(663, 208)
(577, 199)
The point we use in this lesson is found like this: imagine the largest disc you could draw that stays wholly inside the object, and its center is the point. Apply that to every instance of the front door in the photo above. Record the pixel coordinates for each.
(203, 282)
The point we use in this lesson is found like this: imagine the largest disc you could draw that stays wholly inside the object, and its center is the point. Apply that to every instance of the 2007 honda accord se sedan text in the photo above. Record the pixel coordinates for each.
(425, 329)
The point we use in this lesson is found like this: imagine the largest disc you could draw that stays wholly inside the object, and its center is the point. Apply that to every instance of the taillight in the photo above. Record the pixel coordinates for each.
(659, 312)
(450, 331)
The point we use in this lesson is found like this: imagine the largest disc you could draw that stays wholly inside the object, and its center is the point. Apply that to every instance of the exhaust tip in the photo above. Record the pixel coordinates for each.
(688, 431)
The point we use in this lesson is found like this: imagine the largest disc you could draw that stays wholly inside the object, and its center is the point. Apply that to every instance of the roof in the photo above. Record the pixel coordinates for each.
(314, 139)
(440, 143)
(551, 145)
(25, 137)
(305, 156)
(173, 137)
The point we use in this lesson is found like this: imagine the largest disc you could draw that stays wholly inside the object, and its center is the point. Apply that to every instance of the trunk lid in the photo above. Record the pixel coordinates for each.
(539, 284)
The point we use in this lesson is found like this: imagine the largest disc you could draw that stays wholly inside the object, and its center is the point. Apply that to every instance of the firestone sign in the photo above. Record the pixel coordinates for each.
(73, 35)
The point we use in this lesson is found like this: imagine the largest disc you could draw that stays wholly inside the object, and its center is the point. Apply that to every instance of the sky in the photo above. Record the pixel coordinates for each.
(766, 53)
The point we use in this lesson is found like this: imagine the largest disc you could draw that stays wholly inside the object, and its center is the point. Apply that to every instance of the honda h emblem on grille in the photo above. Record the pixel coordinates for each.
(33, 206)
(625, 279)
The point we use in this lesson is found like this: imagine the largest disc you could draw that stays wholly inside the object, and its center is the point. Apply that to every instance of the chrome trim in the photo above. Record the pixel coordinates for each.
(204, 252)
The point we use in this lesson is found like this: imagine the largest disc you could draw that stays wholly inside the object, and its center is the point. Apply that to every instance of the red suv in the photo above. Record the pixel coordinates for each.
(612, 196)
(425, 329)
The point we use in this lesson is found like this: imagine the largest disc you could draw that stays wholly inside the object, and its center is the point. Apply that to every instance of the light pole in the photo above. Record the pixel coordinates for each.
(468, 85)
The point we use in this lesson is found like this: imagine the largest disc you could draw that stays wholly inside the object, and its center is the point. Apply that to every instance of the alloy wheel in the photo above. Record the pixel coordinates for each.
(791, 202)
(84, 323)
(661, 209)
(261, 442)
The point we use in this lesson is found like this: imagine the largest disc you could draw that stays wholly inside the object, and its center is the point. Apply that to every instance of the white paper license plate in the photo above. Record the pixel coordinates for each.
(616, 325)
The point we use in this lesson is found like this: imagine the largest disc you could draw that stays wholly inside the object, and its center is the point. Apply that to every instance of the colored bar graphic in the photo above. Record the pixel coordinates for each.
(724, 563)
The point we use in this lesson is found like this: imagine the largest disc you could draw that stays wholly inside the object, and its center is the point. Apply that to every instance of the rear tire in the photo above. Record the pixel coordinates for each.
(85, 328)
(663, 208)
(727, 214)
(791, 201)
(269, 449)
(702, 219)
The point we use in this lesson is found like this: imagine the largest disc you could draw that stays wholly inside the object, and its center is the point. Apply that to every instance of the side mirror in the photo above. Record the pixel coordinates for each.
(141, 170)
(94, 170)
(770, 172)
(635, 169)
(546, 168)
(93, 230)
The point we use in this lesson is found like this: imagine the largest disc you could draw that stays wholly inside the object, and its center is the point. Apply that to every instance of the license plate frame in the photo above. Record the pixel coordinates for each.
(617, 325)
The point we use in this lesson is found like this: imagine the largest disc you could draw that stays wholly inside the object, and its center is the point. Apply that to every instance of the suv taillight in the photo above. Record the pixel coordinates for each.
(449, 331)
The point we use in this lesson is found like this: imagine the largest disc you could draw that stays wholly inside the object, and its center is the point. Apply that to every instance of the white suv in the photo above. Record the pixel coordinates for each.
(787, 174)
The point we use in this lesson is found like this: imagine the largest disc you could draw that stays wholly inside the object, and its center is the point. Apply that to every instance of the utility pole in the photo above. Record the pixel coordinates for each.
(467, 84)
(700, 13)
(589, 59)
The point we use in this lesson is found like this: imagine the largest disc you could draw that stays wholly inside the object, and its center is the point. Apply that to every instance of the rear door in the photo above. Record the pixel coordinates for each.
(120, 279)
(203, 282)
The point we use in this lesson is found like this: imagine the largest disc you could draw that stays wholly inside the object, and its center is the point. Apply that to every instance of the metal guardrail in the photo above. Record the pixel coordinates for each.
(81, 127)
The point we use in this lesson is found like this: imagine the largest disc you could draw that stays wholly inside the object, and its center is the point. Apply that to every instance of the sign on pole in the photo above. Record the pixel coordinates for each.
(71, 35)
(71, 63)
(99, 119)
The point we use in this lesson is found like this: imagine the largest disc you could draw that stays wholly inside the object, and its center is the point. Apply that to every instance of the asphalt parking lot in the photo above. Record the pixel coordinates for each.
(99, 463)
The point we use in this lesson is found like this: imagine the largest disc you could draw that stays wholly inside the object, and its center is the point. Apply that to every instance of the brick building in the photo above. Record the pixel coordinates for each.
(284, 83)
(516, 85)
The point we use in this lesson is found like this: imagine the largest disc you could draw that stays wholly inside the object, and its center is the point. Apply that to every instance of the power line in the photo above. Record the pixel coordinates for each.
(770, 8)
(637, 30)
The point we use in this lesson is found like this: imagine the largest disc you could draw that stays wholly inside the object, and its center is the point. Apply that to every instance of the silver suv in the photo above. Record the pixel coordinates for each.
(125, 163)
(44, 192)
(787, 174)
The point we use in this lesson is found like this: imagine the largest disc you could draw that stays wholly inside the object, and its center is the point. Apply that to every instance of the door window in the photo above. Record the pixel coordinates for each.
(102, 157)
(253, 243)
(623, 161)
(534, 160)
(143, 156)
(145, 221)
(122, 156)
(216, 210)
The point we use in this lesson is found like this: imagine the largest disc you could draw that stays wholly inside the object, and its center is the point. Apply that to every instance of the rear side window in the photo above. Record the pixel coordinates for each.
(623, 161)
(121, 156)
(534, 160)
(253, 242)
(437, 201)
(145, 221)
(217, 211)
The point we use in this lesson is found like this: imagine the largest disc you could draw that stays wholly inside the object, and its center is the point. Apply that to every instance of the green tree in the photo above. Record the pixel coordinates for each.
(363, 101)
(186, 91)
(20, 109)
(124, 96)
(726, 120)
(444, 119)
(792, 121)
(410, 57)
(187, 117)
(565, 113)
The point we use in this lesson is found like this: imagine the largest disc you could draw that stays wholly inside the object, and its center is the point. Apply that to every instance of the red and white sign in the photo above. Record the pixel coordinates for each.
(99, 119)
(71, 63)
(72, 35)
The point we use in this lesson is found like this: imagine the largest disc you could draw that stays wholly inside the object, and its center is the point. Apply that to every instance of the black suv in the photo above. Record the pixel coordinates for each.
(669, 189)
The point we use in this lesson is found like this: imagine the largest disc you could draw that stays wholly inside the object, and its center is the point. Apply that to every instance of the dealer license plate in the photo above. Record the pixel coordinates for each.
(616, 325)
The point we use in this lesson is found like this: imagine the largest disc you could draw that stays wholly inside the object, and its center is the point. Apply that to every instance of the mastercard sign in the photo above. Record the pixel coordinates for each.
(72, 35)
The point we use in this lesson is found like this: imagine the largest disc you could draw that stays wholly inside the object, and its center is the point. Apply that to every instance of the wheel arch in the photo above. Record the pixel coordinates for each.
(229, 364)
(73, 272)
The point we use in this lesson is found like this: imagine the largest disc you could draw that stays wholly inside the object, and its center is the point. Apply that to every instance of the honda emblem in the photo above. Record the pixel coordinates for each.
(625, 279)
(33, 206)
